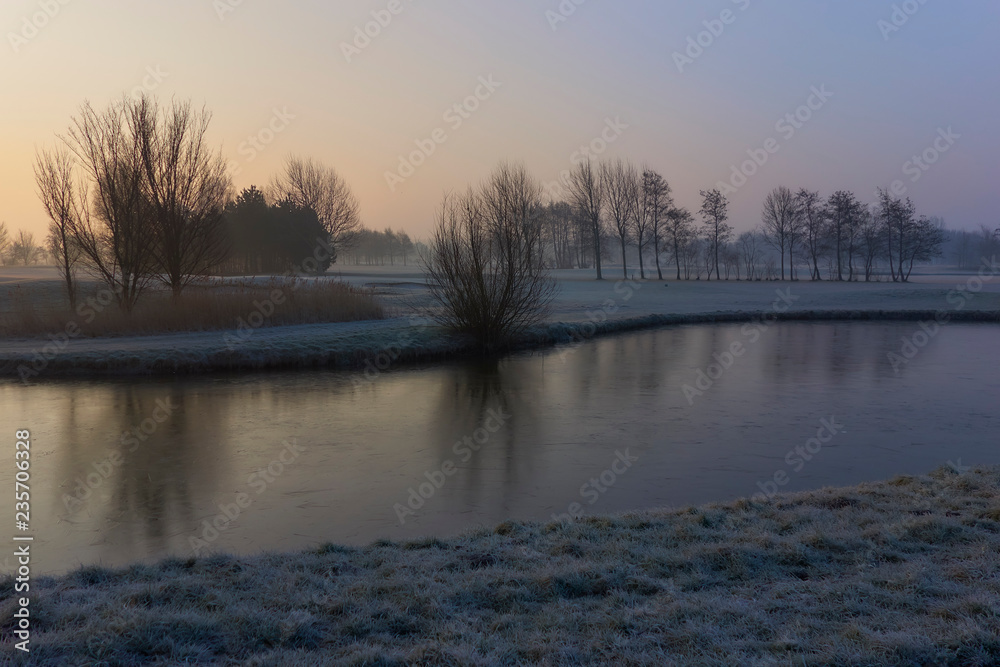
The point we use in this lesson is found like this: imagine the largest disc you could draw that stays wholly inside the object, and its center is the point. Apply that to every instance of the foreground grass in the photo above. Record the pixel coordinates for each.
(33, 309)
(895, 573)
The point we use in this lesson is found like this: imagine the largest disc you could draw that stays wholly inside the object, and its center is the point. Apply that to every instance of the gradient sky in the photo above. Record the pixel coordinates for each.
(558, 87)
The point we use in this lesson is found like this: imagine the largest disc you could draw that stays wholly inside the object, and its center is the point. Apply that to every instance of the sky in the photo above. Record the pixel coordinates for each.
(438, 92)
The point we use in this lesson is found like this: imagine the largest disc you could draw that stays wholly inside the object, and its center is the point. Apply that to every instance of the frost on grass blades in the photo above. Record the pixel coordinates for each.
(455, 117)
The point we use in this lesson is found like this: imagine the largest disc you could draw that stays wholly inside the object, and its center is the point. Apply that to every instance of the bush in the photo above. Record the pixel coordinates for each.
(486, 268)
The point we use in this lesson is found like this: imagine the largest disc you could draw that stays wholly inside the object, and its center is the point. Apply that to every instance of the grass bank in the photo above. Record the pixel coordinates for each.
(359, 345)
(901, 572)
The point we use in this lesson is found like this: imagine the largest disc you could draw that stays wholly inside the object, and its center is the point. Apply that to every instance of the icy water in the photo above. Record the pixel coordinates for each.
(139, 469)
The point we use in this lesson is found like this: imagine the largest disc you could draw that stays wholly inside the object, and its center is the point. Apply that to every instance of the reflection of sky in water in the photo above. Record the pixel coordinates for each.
(569, 411)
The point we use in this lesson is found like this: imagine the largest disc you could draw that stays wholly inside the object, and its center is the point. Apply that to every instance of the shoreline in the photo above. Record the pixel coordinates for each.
(895, 572)
(363, 345)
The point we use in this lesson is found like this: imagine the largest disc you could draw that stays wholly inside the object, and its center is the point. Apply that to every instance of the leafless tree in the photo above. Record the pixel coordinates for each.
(54, 177)
(4, 240)
(23, 249)
(112, 224)
(714, 213)
(486, 269)
(587, 196)
(321, 188)
(657, 204)
(843, 211)
(814, 228)
(780, 219)
(187, 189)
(620, 182)
(750, 251)
(872, 242)
(679, 231)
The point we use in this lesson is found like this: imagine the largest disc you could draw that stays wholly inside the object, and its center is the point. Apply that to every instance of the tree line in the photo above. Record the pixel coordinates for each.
(136, 196)
(633, 209)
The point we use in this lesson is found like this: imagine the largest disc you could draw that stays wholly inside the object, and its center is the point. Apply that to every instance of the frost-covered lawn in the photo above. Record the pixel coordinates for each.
(903, 572)
(582, 308)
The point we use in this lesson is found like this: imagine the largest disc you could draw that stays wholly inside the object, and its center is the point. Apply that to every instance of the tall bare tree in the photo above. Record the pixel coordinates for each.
(486, 269)
(187, 189)
(587, 196)
(112, 226)
(23, 249)
(714, 213)
(620, 181)
(780, 218)
(310, 183)
(657, 202)
(814, 229)
(679, 231)
(4, 240)
(54, 177)
(750, 251)
(843, 209)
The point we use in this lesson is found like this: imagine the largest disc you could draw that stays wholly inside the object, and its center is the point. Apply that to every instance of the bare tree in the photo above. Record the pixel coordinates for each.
(780, 217)
(872, 242)
(657, 204)
(620, 185)
(814, 228)
(486, 269)
(714, 213)
(4, 240)
(54, 177)
(587, 195)
(321, 188)
(679, 231)
(112, 224)
(23, 249)
(187, 188)
(842, 209)
(750, 252)
(896, 218)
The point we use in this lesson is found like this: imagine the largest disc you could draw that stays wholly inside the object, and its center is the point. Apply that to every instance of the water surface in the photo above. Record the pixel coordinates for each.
(332, 456)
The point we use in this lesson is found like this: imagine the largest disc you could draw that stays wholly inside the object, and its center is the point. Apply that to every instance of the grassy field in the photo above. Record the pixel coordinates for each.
(903, 572)
(37, 308)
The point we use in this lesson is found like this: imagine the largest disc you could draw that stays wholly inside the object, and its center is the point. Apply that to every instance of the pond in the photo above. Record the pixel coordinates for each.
(138, 469)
